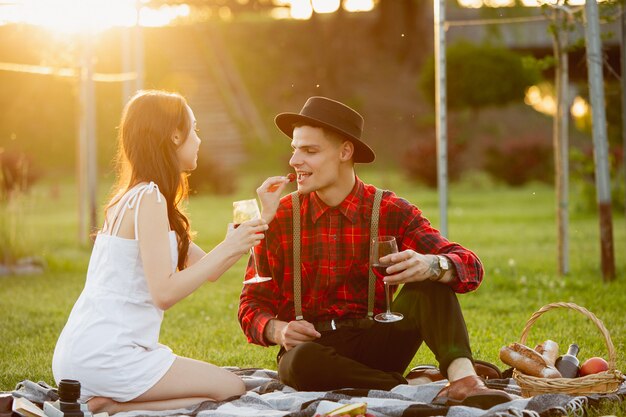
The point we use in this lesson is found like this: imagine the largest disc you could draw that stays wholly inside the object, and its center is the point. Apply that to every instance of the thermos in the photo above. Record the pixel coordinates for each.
(568, 363)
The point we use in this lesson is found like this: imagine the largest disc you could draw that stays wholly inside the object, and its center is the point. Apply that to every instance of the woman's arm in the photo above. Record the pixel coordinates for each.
(168, 286)
(194, 254)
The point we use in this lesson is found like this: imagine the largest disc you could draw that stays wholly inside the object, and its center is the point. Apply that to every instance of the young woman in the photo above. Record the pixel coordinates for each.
(144, 262)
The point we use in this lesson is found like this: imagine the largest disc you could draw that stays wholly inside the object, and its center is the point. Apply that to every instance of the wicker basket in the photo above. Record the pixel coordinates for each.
(601, 383)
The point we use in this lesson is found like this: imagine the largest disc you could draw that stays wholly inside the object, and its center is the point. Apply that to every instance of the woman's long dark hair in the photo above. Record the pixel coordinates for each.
(146, 152)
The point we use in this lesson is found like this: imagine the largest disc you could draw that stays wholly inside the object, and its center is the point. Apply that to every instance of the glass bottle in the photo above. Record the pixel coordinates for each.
(568, 363)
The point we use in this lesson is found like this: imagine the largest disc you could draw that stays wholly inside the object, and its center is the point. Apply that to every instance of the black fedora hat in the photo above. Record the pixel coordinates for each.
(333, 115)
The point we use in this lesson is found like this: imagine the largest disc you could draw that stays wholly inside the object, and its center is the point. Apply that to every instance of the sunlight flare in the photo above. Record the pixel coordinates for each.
(580, 107)
(301, 9)
(74, 16)
(326, 6)
(541, 98)
(358, 5)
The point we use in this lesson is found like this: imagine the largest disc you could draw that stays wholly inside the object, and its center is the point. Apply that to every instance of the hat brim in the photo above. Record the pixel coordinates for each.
(286, 121)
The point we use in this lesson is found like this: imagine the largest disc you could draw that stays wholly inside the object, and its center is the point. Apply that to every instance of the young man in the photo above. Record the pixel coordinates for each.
(322, 318)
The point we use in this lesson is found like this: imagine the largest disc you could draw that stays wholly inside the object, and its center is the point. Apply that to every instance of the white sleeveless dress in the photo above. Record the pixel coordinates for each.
(110, 342)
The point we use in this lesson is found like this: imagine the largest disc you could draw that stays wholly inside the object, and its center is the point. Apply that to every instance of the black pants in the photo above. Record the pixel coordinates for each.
(376, 357)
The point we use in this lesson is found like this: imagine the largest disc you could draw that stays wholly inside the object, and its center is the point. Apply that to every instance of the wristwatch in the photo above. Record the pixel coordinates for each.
(444, 266)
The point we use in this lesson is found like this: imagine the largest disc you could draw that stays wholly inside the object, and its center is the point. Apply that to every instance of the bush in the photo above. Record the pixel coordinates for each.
(211, 177)
(16, 173)
(480, 76)
(518, 162)
(420, 161)
(583, 177)
(13, 232)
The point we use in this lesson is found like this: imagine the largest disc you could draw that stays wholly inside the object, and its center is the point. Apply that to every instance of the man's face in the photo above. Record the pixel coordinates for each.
(315, 158)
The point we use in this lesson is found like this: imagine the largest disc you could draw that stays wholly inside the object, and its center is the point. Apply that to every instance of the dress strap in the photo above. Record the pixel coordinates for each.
(115, 219)
(132, 202)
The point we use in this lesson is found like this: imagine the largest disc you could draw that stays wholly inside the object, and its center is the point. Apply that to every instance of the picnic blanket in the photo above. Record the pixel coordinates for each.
(267, 396)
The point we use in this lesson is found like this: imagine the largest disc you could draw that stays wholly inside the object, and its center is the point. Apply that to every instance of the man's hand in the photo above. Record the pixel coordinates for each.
(291, 334)
(410, 266)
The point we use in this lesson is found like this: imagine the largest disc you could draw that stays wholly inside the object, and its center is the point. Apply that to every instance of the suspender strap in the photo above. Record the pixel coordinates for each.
(371, 288)
(297, 269)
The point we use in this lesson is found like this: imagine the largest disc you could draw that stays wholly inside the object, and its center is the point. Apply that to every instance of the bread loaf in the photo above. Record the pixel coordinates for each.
(549, 350)
(527, 361)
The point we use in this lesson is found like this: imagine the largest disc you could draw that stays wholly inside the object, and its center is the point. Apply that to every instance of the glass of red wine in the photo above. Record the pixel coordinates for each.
(243, 211)
(379, 247)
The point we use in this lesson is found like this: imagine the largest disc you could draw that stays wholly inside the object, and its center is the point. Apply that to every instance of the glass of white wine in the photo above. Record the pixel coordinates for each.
(243, 211)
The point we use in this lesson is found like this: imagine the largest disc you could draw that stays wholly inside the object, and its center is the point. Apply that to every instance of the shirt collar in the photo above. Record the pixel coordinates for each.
(349, 207)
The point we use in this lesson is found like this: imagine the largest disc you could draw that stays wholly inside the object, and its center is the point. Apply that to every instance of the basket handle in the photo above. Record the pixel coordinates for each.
(584, 311)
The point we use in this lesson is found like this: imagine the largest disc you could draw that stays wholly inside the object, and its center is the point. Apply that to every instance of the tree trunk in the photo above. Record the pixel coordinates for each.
(561, 139)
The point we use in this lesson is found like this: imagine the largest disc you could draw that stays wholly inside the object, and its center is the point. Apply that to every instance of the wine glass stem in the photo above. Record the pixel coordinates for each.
(256, 270)
(387, 298)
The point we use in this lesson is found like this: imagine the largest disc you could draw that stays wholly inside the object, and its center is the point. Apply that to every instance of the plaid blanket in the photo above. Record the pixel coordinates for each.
(267, 396)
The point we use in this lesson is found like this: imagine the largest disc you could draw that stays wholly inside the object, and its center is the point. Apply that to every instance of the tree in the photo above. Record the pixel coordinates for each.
(561, 17)
(483, 76)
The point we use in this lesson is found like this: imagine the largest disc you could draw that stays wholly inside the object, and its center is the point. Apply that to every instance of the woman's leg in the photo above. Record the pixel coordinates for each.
(101, 404)
(192, 378)
(187, 382)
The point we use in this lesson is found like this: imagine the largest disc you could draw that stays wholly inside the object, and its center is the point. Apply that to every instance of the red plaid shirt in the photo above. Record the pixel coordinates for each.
(334, 259)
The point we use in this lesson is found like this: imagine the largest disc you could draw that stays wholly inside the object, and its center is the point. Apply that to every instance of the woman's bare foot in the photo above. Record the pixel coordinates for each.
(102, 404)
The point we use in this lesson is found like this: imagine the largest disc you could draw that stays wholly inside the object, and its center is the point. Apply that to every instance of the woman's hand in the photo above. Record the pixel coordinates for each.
(246, 235)
(269, 194)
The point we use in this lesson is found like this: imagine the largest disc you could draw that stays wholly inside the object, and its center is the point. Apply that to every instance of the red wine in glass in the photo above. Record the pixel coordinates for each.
(380, 270)
(380, 247)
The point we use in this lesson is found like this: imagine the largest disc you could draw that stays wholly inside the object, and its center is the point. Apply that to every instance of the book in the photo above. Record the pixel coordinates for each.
(26, 408)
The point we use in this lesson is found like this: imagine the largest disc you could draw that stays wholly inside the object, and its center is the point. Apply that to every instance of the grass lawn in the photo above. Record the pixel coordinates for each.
(512, 230)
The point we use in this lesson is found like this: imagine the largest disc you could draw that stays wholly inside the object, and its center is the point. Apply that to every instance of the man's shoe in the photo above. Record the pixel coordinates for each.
(430, 372)
(470, 391)
(483, 369)
(487, 370)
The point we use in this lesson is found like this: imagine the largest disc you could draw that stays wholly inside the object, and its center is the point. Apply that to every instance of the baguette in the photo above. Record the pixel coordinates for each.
(527, 361)
(549, 350)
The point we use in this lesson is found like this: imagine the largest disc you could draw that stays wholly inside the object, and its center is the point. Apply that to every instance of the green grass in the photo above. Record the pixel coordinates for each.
(512, 230)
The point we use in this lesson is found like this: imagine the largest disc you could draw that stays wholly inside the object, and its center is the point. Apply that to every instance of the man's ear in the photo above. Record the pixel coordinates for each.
(347, 150)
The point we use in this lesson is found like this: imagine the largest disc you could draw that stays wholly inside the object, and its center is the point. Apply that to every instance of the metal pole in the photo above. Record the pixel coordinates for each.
(81, 166)
(92, 148)
(440, 112)
(87, 165)
(126, 49)
(139, 58)
(600, 140)
(623, 75)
